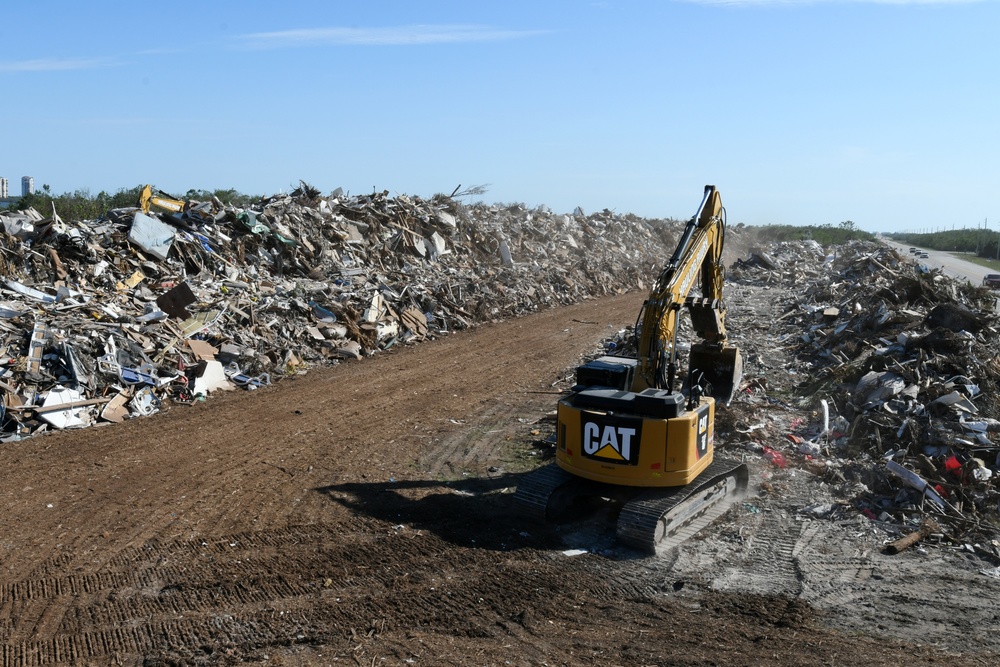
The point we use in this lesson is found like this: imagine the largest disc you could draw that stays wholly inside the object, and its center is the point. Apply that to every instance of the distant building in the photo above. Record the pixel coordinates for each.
(27, 186)
(3, 188)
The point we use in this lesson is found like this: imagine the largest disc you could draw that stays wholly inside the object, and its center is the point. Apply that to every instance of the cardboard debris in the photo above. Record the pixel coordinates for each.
(131, 281)
(115, 410)
(201, 350)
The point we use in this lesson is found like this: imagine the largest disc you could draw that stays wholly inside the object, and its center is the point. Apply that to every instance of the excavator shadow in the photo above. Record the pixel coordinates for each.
(473, 512)
(583, 515)
(480, 513)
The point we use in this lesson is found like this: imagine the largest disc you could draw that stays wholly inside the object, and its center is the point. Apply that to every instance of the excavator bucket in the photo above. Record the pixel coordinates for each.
(722, 368)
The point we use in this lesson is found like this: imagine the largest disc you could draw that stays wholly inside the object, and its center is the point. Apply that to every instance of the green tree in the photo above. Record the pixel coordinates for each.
(825, 234)
(79, 205)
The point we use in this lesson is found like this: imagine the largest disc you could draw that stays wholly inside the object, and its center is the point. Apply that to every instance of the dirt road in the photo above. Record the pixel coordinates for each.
(361, 515)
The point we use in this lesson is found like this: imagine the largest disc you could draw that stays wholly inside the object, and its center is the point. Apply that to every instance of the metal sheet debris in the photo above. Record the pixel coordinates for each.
(152, 235)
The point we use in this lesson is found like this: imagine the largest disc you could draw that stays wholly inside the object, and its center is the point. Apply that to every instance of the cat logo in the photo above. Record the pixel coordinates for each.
(703, 434)
(611, 440)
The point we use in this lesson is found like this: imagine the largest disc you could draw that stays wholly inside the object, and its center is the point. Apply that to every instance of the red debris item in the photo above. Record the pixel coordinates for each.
(868, 513)
(794, 438)
(952, 465)
(943, 492)
(775, 457)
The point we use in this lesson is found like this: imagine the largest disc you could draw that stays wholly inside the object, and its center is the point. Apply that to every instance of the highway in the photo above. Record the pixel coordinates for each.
(951, 265)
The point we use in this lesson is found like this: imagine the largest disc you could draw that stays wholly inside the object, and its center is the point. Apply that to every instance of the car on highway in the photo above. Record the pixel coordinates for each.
(992, 280)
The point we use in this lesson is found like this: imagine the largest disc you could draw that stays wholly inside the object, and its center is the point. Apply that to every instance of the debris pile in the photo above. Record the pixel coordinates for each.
(103, 320)
(902, 365)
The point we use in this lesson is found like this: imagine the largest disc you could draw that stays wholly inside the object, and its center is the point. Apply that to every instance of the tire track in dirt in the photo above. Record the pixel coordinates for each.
(348, 514)
(196, 580)
(829, 580)
(924, 599)
(169, 540)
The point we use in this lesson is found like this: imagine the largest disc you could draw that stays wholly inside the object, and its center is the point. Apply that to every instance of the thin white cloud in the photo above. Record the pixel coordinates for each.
(51, 64)
(164, 51)
(413, 35)
(735, 3)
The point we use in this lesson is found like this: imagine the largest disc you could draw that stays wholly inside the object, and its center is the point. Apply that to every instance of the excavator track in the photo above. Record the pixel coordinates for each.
(537, 488)
(650, 519)
(659, 519)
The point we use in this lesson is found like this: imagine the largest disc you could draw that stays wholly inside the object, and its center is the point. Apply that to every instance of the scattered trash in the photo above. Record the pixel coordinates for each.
(901, 368)
(775, 457)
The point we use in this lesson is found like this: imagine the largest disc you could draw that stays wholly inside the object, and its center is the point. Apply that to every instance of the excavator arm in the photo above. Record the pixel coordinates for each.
(698, 256)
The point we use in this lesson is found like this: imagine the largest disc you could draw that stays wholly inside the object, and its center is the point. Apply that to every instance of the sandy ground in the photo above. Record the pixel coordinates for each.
(362, 515)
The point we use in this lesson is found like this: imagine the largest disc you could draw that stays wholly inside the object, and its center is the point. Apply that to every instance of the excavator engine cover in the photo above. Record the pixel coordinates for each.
(612, 372)
(721, 367)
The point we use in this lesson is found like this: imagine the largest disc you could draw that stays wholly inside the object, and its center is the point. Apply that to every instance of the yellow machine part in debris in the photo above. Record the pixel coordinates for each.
(150, 197)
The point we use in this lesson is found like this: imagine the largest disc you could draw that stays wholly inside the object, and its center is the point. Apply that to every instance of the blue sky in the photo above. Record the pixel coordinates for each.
(883, 113)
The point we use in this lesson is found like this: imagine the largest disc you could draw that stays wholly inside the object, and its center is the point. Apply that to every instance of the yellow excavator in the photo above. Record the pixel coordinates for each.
(627, 436)
(150, 196)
